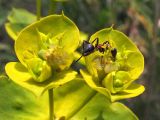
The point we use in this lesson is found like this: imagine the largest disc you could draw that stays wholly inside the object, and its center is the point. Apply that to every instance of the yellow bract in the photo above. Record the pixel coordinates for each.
(43, 49)
(111, 77)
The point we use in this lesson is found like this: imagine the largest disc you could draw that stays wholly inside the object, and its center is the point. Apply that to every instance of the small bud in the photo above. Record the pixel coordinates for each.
(42, 54)
(39, 69)
(118, 83)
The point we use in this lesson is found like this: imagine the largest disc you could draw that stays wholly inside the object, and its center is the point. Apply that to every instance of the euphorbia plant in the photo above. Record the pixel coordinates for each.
(46, 50)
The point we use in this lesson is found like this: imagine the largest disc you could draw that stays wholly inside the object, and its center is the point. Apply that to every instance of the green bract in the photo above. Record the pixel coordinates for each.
(45, 51)
(111, 76)
(17, 20)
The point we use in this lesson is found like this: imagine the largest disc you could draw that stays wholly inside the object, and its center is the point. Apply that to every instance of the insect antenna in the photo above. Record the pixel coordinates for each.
(79, 58)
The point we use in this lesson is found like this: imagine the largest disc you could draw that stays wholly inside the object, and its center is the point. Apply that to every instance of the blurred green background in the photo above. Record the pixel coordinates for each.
(138, 19)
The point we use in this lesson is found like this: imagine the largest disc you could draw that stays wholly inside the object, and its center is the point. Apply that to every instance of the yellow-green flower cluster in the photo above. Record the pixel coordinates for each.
(45, 51)
(115, 77)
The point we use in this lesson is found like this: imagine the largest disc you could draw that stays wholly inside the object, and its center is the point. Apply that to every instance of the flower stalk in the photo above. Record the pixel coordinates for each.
(51, 104)
(52, 7)
(38, 7)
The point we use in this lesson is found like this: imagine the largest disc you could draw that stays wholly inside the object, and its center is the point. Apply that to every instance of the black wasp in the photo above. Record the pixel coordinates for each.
(88, 48)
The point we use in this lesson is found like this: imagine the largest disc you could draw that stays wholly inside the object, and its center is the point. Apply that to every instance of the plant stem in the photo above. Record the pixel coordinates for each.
(38, 7)
(52, 7)
(51, 104)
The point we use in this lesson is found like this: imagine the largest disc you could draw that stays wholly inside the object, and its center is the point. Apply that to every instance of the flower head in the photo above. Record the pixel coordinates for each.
(113, 72)
(45, 51)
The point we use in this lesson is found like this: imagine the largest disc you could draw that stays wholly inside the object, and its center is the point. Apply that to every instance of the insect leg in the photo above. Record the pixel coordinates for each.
(79, 58)
(106, 42)
(97, 41)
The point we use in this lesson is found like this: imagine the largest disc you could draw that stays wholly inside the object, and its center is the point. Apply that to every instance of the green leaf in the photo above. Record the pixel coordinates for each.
(18, 104)
(20, 75)
(91, 106)
(18, 19)
(70, 103)
(21, 16)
